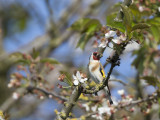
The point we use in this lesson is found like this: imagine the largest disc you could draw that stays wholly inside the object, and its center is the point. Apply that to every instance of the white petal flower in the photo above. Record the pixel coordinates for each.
(102, 45)
(123, 38)
(121, 92)
(105, 109)
(98, 117)
(76, 82)
(141, 9)
(110, 34)
(116, 40)
(78, 75)
(74, 77)
(15, 95)
(78, 78)
(159, 9)
(10, 85)
(86, 107)
(83, 80)
(94, 108)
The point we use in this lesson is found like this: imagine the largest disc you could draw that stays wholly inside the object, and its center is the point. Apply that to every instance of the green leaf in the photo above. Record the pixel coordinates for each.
(86, 25)
(49, 60)
(155, 30)
(127, 18)
(68, 78)
(111, 23)
(83, 40)
(135, 11)
(151, 80)
(35, 53)
(140, 26)
(138, 36)
(17, 55)
(23, 61)
(140, 59)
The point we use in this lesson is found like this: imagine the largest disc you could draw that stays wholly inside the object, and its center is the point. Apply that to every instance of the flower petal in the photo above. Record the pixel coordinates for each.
(74, 77)
(78, 75)
(107, 35)
(83, 80)
(121, 92)
(116, 40)
(76, 82)
(112, 33)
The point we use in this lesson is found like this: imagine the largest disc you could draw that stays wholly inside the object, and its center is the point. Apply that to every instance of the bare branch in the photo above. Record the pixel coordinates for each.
(31, 89)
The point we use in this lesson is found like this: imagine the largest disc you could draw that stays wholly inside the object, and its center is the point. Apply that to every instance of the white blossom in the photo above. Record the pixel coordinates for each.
(98, 117)
(141, 9)
(110, 34)
(15, 95)
(121, 92)
(159, 9)
(86, 107)
(94, 108)
(78, 79)
(102, 45)
(50, 96)
(122, 37)
(105, 109)
(116, 40)
(82, 80)
(129, 98)
(10, 85)
(41, 97)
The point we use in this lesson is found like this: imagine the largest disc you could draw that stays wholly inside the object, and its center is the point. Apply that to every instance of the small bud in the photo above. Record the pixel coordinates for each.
(10, 85)
(41, 97)
(18, 75)
(132, 109)
(59, 86)
(15, 95)
(50, 96)
(61, 77)
(95, 44)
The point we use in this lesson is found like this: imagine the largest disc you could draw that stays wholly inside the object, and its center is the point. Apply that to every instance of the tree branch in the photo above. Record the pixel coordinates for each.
(138, 101)
(31, 89)
(71, 102)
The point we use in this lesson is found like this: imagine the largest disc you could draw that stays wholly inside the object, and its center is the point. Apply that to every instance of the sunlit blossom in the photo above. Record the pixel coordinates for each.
(86, 106)
(78, 79)
(121, 92)
(15, 95)
(110, 34)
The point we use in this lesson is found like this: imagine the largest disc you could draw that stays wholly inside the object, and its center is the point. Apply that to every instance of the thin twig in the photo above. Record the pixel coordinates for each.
(31, 89)
(137, 102)
(116, 80)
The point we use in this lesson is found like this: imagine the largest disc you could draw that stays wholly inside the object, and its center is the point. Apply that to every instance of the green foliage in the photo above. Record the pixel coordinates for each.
(49, 60)
(68, 78)
(14, 20)
(127, 20)
(16, 55)
(111, 23)
(140, 59)
(140, 26)
(35, 53)
(86, 27)
(151, 80)
(83, 40)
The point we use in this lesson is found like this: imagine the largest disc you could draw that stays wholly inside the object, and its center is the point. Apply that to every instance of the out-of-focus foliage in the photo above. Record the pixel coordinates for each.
(87, 27)
(14, 19)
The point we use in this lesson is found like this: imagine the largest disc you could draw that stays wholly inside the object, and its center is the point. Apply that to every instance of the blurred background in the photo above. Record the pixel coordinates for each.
(43, 25)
